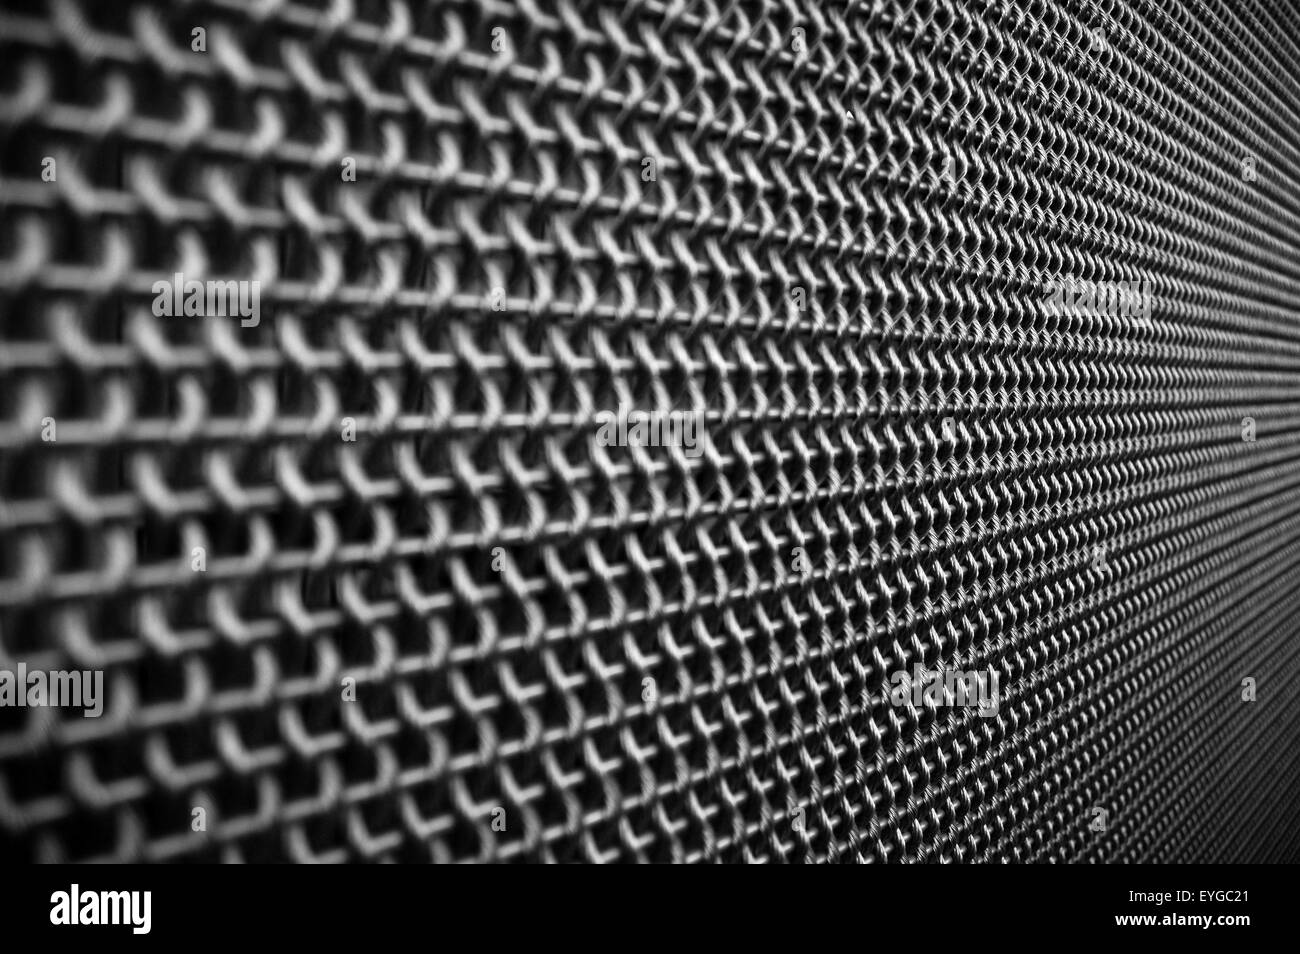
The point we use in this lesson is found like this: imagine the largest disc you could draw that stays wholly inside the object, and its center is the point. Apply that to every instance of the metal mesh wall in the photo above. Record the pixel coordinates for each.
(470, 630)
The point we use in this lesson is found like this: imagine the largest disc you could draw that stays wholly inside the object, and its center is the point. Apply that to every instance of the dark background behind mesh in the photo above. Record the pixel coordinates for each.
(521, 169)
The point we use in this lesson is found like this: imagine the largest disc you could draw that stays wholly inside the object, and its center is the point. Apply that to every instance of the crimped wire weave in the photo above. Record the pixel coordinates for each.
(565, 651)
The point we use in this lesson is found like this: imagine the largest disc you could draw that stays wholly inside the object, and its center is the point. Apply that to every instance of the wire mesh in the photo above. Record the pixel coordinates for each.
(366, 584)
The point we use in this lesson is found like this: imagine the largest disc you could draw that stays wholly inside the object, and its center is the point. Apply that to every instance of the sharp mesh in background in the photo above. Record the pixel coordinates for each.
(502, 590)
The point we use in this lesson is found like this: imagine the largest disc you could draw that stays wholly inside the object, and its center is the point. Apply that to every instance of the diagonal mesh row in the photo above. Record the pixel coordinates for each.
(365, 582)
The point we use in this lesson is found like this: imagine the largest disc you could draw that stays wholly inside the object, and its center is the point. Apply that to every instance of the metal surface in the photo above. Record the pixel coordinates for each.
(565, 651)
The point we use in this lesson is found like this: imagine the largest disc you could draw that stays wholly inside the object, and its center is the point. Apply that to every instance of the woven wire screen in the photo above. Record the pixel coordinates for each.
(468, 629)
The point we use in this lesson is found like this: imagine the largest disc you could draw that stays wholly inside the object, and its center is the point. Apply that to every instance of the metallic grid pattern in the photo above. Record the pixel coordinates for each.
(565, 651)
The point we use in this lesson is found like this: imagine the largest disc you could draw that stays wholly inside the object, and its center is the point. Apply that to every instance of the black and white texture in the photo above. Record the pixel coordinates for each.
(461, 627)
